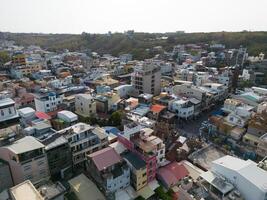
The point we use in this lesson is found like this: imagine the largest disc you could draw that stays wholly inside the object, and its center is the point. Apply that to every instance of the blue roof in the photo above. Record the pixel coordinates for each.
(112, 129)
(141, 109)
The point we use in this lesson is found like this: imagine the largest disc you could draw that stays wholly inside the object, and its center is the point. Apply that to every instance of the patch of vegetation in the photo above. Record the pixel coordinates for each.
(164, 195)
(139, 44)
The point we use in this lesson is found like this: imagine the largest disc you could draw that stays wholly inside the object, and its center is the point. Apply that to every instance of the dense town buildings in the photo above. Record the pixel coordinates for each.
(185, 121)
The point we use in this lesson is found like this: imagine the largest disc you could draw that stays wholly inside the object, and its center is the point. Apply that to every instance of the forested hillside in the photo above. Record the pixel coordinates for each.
(138, 43)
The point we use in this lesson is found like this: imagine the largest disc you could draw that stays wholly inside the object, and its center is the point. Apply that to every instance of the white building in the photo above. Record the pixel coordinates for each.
(84, 139)
(85, 105)
(123, 90)
(67, 116)
(7, 110)
(166, 68)
(246, 176)
(183, 108)
(48, 102)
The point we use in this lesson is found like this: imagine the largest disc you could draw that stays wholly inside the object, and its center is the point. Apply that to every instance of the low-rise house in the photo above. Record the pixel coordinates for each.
(109, 170)
(8, 112)
(156, 111)
(67, 116)
(107, 102)
(256, 128)
(85, 189)
(85, 105)
(183, 108)
(123, 90)
(171, 174)
(47, 191)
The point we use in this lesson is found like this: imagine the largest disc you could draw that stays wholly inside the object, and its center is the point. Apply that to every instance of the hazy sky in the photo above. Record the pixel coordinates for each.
(101, 16)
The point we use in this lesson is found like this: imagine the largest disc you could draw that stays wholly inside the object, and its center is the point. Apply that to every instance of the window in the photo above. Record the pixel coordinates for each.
(2, 113)
(47, 105)
(43, 172)
(9, 110)
(27, 167)
(41, 162)
(29, 176)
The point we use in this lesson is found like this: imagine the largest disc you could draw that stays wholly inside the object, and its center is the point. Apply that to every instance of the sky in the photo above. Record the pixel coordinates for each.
(101, 16)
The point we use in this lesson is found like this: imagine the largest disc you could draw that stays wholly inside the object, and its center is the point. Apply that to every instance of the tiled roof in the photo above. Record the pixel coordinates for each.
(172, 173)
(105, 158)
(157, 108)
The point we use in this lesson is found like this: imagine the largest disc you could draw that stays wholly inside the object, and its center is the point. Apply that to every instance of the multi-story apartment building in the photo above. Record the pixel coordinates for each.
(5, 176)
(27, 160)
(85, 105)
(58, 155)
(84, 139)
(146, 78)
(108, 169)
(48, 102)
(8, 111)
(149, 148)
(138, 170)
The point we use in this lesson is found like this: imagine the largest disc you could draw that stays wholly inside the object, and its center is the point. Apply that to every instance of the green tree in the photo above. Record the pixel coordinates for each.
(4, 57)
(115, 118)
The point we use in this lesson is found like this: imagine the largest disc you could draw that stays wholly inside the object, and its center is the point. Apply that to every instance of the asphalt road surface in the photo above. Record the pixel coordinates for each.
(190, 128)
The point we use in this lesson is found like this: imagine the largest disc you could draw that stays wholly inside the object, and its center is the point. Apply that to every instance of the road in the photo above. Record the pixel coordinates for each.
(190, 128)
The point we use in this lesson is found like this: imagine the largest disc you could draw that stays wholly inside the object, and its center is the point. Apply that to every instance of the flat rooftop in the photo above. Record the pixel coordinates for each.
(132, 158)
(85, 189)
(25, 191)
(205, 156)
(51, 190)
(6, 102)
(28, 143)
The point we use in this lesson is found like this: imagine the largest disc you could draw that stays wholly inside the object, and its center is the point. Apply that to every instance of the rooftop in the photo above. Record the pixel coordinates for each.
(28, 143)
(217, 181)
(105, 158)
(205, 156)
(25, 191)
(6, 102)
(50, 190)
(85, 189)
(55, 141)
(173, 173)
(137, 162)
(157, 108)
(248, 169)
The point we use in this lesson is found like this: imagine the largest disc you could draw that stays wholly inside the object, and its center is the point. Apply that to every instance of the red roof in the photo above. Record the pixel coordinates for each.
(172, 173)
(42, 115)
(157, 108)
(105, 158)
